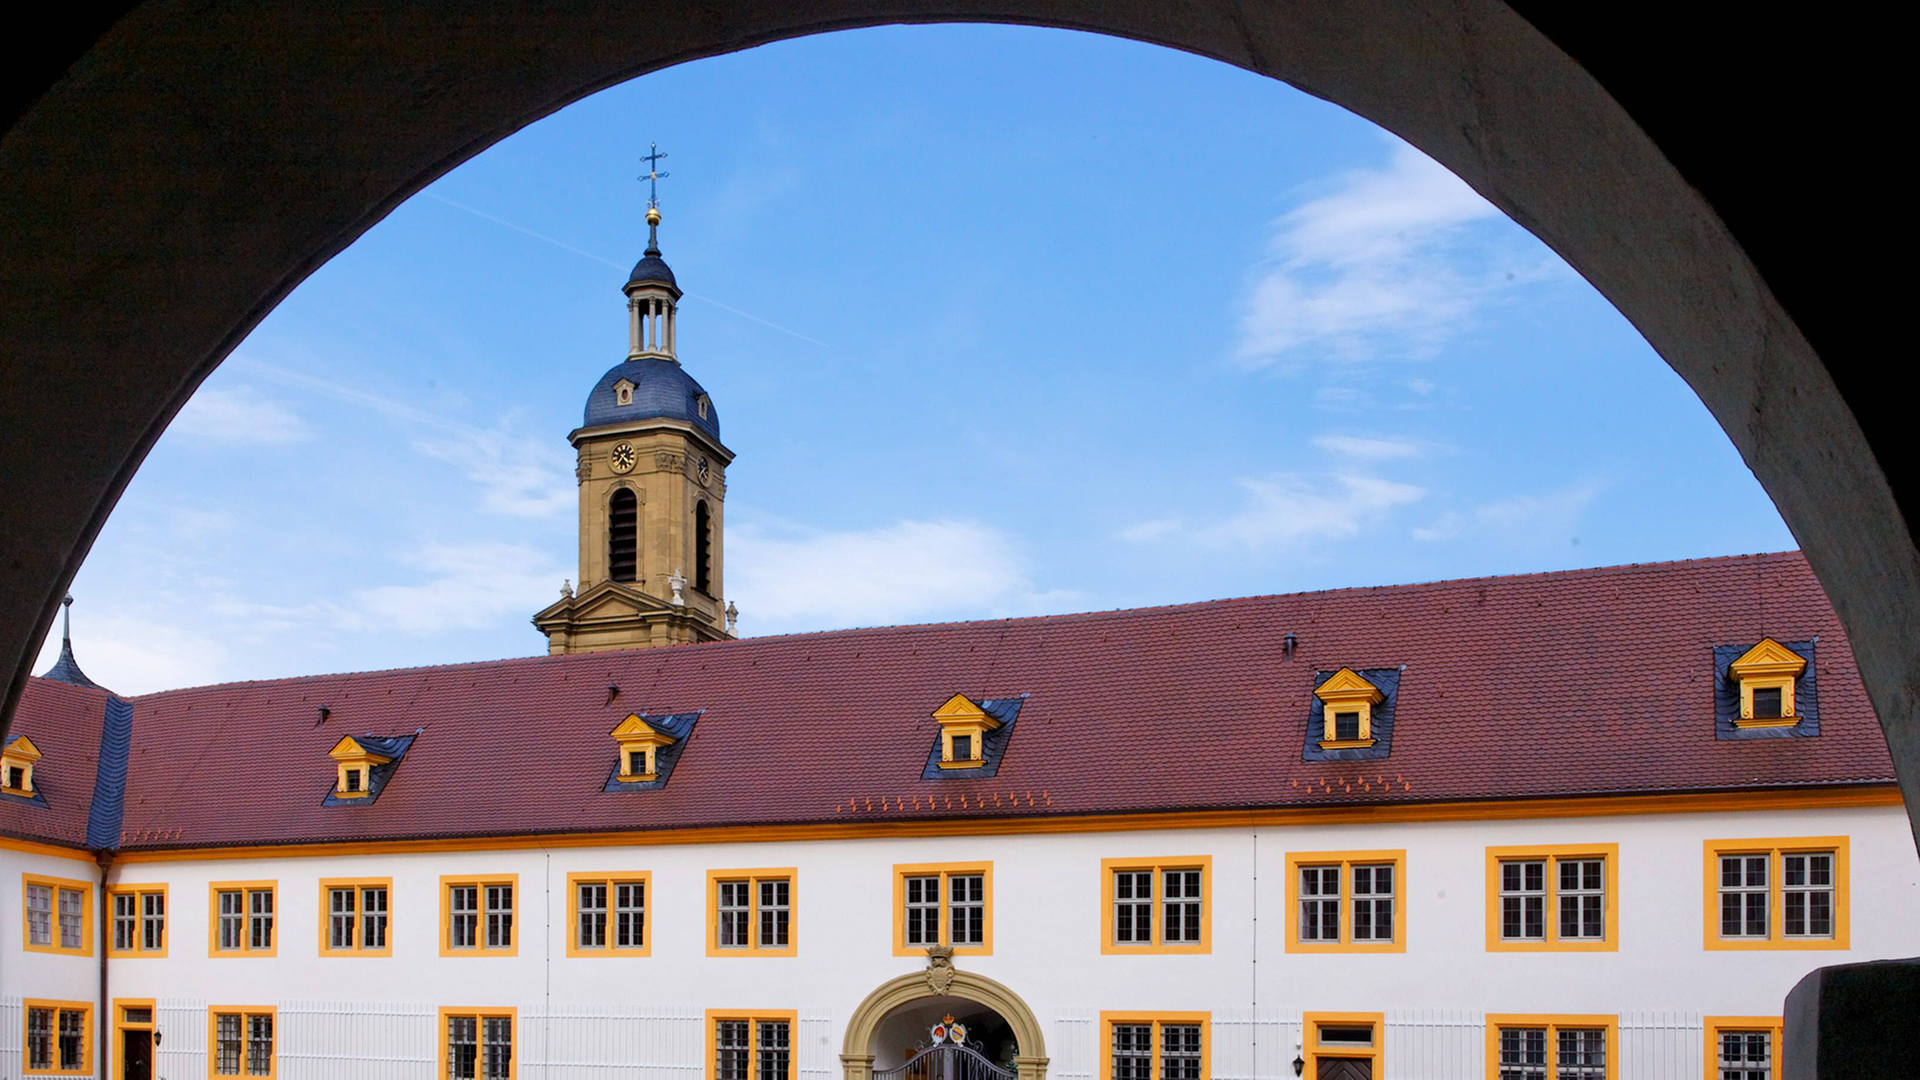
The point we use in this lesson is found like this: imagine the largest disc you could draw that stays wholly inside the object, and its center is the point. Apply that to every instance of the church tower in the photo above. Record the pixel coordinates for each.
(652, 474)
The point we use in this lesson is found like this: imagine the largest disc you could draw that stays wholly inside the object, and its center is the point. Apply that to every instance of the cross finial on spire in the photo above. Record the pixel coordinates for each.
(653, 175)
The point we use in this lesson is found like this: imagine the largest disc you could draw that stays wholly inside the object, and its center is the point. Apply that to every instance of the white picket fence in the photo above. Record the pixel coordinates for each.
(377, 1041)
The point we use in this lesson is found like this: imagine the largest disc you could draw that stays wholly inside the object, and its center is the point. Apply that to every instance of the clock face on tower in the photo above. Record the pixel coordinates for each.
(622, 458)
(703, 468)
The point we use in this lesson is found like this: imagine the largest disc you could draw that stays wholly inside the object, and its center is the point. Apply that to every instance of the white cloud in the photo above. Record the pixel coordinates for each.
(794, 579)
(1290, 510)
(468, 587)
(1384, 263)
(1519, 519)
(517, 476)
(1365, 449)
(129, 654)
(241, 415)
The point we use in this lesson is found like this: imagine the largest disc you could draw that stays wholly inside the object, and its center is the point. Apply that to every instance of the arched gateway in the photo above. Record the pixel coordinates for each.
(941, 981)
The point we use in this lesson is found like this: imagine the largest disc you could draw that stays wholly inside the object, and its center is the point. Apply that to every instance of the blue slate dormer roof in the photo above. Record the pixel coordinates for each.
(386, 746)
(675, 726)
(1726, 696)
(1387, 681)
(993, 745)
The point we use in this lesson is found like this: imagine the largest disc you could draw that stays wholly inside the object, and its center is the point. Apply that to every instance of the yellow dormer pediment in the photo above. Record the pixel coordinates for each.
(640, 743)
(963, 732)
(961, 709)
(1769, 658)
(16, 766)
(349, 749)
(1346, 695)
(1347, 685)
(1767, 674)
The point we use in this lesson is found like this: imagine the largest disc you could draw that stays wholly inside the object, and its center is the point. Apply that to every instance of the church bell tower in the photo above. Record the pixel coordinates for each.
(652, 473)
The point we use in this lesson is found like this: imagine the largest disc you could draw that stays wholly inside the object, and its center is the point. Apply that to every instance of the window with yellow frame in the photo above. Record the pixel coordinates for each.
(752, 1044)
(356, 916)
(607, 914)
(1350, 1036)
(59, 1038)
(241, 1041)
(16, 767)
(479, 915)
(139, 920)
(1346, 901)
(242, 918)
(56, 915)
(478, 1043)
(1156, 905)
(1156, 1045)
(947, 904)
(1536, 1045)
(1553, 898)
(753, 912)
(1776, 893)
(1743, 1047)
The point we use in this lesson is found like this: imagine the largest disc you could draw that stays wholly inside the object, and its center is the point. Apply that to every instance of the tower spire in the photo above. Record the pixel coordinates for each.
(67, 669)
(653, 176)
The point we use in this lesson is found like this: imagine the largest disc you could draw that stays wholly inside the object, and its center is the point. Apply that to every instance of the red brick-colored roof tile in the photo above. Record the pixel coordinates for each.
(1584, 682)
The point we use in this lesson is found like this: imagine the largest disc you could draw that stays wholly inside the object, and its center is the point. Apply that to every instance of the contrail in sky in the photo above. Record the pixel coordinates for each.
(617, 266)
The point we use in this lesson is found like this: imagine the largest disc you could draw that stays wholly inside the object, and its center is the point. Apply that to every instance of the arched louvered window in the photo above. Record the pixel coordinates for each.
(703, 548)
(623, 534)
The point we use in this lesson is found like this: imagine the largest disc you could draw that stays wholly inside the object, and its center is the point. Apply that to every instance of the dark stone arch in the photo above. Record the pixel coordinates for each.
(196, 162)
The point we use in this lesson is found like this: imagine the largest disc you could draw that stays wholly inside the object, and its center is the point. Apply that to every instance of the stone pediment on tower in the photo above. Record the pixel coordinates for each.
(621, 615)
(607, 600)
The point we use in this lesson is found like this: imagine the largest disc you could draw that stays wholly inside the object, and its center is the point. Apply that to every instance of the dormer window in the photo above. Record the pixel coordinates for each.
(362, 766)
(1347, 702)
(355, 763)
(963, 732)
(16, 766)
(640, 745)
(623, 392)
(700, 405)
(1766, 675)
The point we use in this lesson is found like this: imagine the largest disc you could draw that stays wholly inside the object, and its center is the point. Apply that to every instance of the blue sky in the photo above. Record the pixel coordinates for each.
(999, 322)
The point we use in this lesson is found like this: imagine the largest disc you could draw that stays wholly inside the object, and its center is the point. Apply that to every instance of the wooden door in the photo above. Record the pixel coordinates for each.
(1345, 1069)
(138, 1062)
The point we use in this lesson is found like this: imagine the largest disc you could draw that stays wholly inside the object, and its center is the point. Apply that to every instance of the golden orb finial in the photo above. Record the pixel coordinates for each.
(653, 215)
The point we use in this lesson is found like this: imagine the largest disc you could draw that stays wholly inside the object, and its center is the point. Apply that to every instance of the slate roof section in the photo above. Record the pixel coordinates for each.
(1387, 681)
(677, 726)
(108, 804)
(64, 721)
(1165, 709)
(1726, 695)
(993, 746)
(393, 747)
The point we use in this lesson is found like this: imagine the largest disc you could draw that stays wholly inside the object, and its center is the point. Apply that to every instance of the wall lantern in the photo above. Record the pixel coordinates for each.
(1299, 1064)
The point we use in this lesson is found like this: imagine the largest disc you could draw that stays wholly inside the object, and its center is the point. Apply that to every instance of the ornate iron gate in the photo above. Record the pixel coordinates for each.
(947, 1061)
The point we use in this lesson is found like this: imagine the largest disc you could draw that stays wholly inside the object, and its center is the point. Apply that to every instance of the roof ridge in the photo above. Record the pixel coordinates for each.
(1005, 620)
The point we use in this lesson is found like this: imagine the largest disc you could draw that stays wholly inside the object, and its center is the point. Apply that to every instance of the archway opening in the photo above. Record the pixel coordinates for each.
(902, 1037)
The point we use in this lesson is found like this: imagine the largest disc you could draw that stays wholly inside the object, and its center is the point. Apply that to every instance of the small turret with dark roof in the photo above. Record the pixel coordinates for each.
(67, 669)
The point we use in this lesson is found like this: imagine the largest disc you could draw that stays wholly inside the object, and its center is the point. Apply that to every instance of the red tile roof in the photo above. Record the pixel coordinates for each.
(1584, 682)
(64, 722)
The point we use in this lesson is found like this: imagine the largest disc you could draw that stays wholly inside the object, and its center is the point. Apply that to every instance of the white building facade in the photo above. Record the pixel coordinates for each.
(1432, 998)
